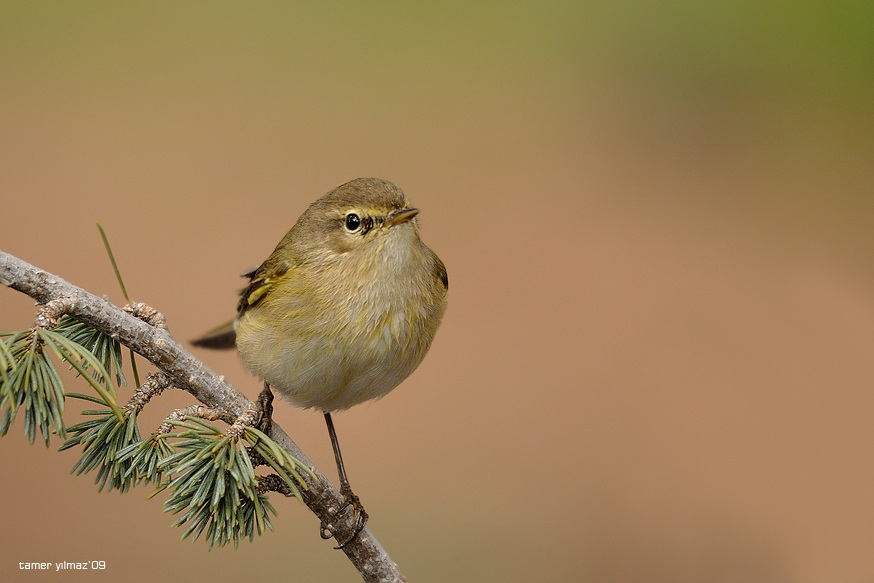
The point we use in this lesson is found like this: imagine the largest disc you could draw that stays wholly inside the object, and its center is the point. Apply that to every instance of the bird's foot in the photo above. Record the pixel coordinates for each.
(265, 410)
(350, 500)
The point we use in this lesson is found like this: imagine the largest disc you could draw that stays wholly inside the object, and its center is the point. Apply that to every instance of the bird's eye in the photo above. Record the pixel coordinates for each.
(353, 223)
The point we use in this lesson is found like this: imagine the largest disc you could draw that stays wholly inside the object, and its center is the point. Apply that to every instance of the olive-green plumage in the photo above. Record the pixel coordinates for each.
(342, 311)
(347, 305)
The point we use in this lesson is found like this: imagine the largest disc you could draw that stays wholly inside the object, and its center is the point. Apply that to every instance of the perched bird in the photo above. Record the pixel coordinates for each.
(344, 309)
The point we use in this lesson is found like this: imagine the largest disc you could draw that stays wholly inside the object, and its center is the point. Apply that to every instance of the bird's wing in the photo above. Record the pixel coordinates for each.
(262, 282)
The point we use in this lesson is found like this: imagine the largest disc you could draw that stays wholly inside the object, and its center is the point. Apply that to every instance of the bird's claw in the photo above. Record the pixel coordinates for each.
(265, 410)
(358, 512)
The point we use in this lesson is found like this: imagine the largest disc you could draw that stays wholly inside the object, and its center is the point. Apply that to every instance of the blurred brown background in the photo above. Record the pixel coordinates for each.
(656, 364)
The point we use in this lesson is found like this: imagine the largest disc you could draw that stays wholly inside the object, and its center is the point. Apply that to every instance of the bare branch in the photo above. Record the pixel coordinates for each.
(190, 374)
(273, 483)
(156, 383)
(147, 314)
(199, 411)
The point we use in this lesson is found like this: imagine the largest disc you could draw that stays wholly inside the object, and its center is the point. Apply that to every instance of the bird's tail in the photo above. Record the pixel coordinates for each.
(223, 337)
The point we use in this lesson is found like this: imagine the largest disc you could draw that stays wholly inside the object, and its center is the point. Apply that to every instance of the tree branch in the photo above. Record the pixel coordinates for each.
(190, 374)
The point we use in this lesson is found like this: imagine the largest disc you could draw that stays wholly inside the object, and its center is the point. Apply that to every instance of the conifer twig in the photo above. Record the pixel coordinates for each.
(188, 373)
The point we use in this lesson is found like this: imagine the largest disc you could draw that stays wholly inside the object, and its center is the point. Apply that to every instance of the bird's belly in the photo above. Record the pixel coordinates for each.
(330, 371)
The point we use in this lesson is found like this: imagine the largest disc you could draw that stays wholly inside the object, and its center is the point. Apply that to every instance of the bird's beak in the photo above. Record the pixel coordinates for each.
(399, 216)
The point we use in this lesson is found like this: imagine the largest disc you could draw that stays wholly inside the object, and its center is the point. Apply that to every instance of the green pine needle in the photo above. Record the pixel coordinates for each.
(32, 382)
(108, 247)
(210, 477)
(81, 359)
(145, 458)
(105, 348)
(6, 363)
(114, 264)
(214, 486)
(103, 440)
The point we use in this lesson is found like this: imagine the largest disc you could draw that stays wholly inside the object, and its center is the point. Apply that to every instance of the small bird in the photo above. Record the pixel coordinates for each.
(343, 310)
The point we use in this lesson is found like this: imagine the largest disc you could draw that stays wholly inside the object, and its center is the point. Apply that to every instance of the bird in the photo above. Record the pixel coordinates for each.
(343, 310)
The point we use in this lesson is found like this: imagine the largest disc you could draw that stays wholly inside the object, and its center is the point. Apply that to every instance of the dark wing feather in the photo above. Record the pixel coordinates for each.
(261, 280)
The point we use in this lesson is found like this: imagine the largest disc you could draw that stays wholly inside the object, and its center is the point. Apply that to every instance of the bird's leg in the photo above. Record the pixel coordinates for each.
(265, 408)
(349, 497)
